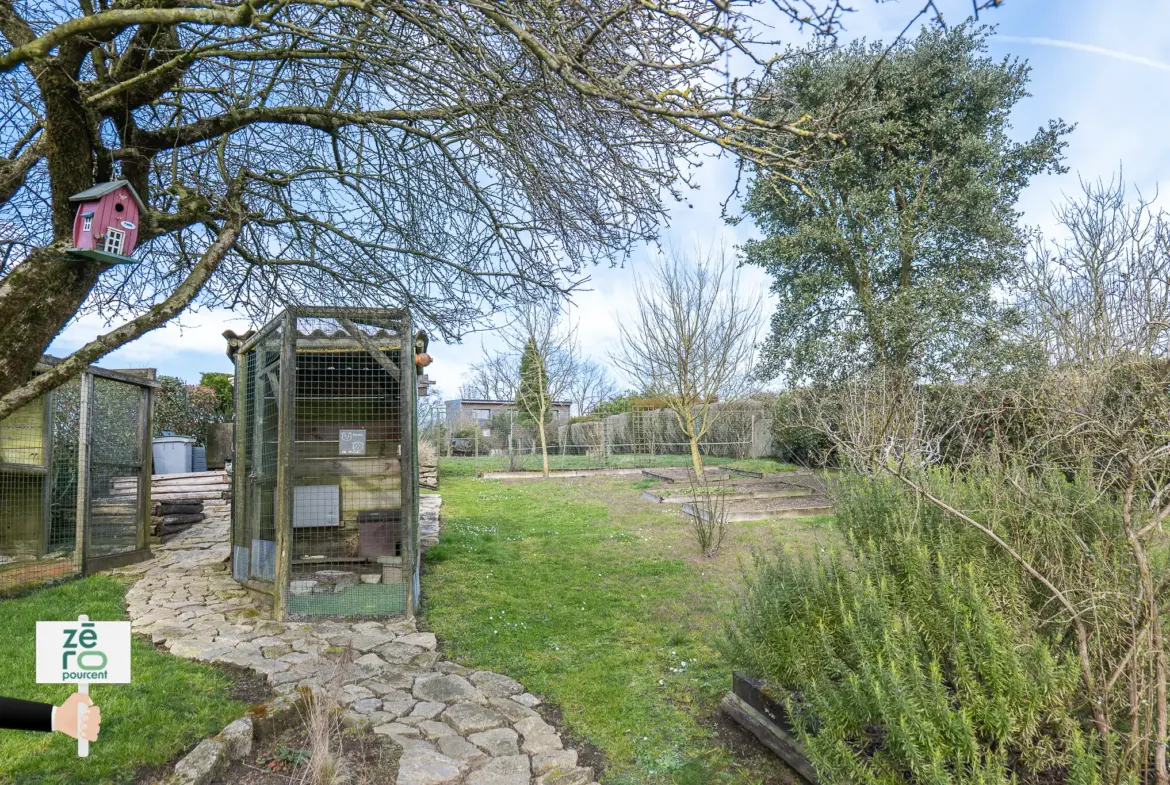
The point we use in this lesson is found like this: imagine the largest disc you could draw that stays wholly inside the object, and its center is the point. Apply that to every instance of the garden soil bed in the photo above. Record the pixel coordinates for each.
(769, 509)
(770, 488)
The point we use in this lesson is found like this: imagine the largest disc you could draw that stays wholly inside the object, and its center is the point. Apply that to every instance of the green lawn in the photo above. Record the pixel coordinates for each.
(171, 705)
(595, 599)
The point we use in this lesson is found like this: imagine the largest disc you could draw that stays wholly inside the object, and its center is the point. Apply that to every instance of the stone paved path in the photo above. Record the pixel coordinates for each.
(455, 726)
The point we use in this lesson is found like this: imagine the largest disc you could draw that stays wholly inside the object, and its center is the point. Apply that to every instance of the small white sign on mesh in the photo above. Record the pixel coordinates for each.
(353, 442)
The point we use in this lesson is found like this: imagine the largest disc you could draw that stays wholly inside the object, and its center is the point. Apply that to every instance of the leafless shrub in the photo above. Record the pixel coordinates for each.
(709, 514)
(322, 718)
(1104, 292)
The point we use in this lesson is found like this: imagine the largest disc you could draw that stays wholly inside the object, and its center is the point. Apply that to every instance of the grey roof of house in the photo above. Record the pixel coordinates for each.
(101, 189)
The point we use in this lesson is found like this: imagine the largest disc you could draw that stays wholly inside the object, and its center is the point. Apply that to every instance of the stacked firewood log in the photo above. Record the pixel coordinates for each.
(170, 517)
(179, 500)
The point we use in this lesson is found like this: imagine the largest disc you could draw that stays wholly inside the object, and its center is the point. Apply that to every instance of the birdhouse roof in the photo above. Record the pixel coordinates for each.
(101, 189)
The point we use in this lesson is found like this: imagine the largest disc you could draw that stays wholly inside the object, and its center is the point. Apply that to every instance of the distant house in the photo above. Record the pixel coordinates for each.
(465, 411)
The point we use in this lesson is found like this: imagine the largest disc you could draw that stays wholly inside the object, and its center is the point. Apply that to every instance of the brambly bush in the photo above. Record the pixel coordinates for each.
(922, 651)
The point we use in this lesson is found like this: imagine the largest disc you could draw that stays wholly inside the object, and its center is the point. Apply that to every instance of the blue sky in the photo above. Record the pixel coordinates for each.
(1102, 65)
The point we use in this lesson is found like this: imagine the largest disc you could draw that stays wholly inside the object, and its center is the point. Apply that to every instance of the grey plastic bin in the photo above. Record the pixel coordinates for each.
(172, 454)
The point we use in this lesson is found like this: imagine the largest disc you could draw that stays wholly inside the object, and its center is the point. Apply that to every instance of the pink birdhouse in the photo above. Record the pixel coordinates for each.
(107, 219)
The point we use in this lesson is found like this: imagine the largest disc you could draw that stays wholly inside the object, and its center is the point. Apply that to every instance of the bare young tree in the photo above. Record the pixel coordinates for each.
(1104, 290)
(588, 384)
(450, 156)
(494, 378)
(545, 348)
(692, 341)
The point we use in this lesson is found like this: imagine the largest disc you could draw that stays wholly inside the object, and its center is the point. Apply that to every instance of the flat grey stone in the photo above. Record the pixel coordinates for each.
(424, 710)
(379, 688)
(237, 739)
(371, 660)
(459, 748)
(367, 705)
(533, 726)
(512, 711)
(450, 667)
(575, 776)
(527, 699)
(399, 653)
(545, 762)
(425, 660)
(202, 765)
(301, 587)
(355, 692)
(434, 730)
(511, 770)
(424, 640)
(397, 702)
(497, 742)
(424, 767)
(468, 718)
(507, 685)
(368, 641)
(541, 742)
(448, 689)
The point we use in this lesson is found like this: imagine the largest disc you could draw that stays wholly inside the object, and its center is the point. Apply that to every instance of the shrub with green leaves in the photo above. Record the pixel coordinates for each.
(921, 652)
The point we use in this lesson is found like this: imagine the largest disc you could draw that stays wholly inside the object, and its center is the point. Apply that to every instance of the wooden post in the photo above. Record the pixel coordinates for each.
(81, 531)
(285, 443)
(47, 486)
(239, 476)
(145, 422)
(257, 497)
(409, 463)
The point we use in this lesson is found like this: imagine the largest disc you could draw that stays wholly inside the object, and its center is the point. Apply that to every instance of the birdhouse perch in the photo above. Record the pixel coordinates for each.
(105, 227)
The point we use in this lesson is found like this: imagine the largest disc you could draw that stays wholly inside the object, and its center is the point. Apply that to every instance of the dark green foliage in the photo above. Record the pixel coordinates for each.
(793, 440)
(923, 652)
(185, 409)
(889, 250)
(533, 403)
(224, 392)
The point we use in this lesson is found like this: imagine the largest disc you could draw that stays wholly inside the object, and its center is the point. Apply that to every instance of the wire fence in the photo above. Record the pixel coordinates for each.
(636, 439)
(326, 521)
(74, 477)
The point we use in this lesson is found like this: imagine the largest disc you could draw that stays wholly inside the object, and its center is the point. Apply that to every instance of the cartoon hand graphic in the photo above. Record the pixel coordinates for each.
(65, 718)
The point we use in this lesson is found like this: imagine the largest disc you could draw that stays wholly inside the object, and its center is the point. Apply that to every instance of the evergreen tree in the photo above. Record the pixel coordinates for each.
(889, 250)
(533, 403)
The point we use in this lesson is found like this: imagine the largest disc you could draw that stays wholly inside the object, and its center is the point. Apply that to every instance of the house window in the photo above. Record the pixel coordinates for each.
(115, 241)
(87, 222)
(481, 414)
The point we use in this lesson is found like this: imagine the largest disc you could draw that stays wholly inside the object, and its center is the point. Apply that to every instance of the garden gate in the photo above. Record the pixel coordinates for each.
(75, 478)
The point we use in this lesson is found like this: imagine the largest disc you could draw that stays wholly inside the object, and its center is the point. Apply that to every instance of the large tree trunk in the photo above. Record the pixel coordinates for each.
(37, 300)
(43, 292)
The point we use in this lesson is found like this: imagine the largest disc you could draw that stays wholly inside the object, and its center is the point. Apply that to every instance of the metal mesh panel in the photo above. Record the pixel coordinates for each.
(347, 548)
(321, 445)
(115, 515)
(638, 438)
(25, 489)
(261, 434)
(42, 465)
